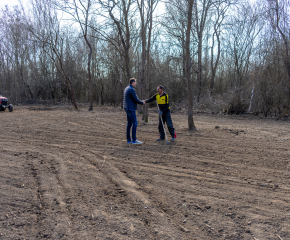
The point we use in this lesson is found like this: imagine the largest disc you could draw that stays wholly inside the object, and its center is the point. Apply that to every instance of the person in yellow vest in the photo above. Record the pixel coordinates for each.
(164, 113)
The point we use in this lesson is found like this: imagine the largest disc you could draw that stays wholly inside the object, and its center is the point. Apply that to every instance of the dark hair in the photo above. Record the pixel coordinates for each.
(161, 87)
(132, 80)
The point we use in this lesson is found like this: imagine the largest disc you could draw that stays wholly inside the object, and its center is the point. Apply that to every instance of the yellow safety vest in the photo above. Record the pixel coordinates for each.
(162, 99)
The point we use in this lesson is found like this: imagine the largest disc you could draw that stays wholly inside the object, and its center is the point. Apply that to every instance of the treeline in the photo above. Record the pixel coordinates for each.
(221, 55)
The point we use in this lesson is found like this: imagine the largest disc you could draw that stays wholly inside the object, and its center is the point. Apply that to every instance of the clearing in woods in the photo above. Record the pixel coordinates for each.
(69, 174)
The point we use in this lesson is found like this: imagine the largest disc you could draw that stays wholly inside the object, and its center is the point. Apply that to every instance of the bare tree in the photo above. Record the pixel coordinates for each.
(146, 9)
(174, 22)
(242, 31)
(278, 15)
(120, 12)
(203, 11)
(191, 125)
(220, 15)
(80, 11)
(178, 22)
(45, 27)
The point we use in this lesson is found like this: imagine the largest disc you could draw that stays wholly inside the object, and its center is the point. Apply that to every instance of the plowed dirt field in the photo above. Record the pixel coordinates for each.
(69, 174)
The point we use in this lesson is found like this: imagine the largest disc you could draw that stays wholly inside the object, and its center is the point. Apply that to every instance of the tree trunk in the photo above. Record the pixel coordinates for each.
(146, 115)
(199, 68)
(191, 125)
(214, 65)
(89, 74)
(89, 56)
(121, 75)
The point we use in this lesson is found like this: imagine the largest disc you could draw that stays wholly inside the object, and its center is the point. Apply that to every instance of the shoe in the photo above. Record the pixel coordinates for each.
(129, 142)
(174, 137)
(137, 142)
(160, 139)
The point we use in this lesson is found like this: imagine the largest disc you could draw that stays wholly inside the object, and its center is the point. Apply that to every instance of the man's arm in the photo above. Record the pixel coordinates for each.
(136, 99)
(153, 98)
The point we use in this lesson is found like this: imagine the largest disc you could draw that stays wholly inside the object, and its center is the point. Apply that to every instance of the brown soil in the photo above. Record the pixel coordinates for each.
(69, 174)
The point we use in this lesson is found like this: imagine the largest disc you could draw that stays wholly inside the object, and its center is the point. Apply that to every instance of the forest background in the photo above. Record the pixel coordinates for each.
(210, 55)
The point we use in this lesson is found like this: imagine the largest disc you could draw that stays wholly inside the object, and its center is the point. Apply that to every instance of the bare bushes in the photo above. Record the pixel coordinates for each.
(271, 95)
(237, 105)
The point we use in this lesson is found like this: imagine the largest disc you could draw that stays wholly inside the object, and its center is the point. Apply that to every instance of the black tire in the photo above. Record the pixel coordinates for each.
(10, 107)
(2, 108)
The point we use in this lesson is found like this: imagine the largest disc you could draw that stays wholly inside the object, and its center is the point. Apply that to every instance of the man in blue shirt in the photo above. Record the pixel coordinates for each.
(130, 105)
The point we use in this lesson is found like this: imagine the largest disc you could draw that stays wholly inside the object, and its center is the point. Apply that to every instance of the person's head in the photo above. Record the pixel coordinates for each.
(160, 89)
(133, 82)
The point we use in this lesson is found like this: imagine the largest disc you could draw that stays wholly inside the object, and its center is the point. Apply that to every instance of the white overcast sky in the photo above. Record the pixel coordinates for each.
(10, 2)
(15, 2)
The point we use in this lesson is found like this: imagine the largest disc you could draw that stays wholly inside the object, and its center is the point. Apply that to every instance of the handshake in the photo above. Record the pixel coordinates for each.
(159, 112)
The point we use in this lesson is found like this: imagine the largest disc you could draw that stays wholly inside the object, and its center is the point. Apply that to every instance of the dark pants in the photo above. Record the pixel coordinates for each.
(166, 117)
(131, 121)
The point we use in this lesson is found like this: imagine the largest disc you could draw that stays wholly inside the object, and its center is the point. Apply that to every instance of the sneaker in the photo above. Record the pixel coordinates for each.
(129, 142)
(174, 137)
(137, 142)
(160, 139)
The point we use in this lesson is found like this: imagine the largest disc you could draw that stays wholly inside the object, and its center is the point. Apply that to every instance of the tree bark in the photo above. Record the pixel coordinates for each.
(89, 57)
(146, 116)
(199, 68)
(191, 125)
(144, 73)
(214, 64)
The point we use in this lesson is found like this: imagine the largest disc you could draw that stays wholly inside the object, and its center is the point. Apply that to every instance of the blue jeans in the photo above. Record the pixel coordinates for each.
(131, 121)
(166, 118)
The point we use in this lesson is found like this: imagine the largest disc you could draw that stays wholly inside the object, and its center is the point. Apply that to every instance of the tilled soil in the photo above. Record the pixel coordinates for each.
(69, 174)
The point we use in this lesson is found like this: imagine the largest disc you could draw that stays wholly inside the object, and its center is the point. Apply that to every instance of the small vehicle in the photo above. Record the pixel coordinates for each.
(4, 104)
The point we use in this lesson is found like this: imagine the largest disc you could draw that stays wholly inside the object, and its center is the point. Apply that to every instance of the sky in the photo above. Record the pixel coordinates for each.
(10, 2)
(15, 2)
